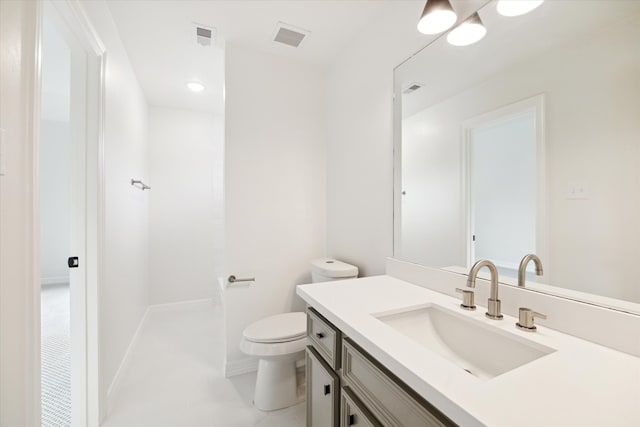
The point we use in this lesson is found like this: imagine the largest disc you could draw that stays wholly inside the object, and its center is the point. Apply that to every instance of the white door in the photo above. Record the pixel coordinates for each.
(504, 185)
(503, 177)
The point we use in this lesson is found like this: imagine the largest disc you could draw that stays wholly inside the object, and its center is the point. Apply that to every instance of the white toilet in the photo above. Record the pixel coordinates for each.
(280, 340)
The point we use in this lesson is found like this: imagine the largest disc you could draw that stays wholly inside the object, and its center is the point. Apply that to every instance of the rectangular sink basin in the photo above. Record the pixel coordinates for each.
(479, 349)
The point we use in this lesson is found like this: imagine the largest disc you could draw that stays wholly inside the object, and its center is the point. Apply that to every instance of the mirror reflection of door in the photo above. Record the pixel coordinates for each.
(502, 190)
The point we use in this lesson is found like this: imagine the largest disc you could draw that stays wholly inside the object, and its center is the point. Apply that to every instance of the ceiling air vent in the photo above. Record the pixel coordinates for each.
(205, 35)
(289, 35)
(412, 88)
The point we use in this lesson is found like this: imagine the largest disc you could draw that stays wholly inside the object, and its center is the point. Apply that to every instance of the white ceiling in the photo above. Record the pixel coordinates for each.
(159, 38)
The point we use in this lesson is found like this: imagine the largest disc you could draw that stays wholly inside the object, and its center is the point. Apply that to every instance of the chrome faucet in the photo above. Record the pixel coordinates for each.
(522, 270)
(493, 304)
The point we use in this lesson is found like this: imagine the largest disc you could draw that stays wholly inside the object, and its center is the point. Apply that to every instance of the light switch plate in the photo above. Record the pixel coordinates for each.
(2, 150)
(577, 191)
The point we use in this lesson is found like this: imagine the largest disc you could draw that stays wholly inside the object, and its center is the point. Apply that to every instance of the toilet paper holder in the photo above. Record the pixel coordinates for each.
(233, 279)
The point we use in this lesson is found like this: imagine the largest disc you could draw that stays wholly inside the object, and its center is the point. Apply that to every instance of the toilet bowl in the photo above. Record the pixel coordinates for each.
(279, 341)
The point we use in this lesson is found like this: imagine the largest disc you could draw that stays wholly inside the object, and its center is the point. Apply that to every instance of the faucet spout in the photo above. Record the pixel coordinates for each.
(493, 304)
(522, 270)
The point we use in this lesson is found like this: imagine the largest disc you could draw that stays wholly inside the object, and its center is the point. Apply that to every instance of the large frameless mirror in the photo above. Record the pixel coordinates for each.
(527, 141)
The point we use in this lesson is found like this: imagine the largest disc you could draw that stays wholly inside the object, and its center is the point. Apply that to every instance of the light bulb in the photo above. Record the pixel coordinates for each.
(470, 31)
(195, 86)
(517, 7)
(437, 22)
(437, 16)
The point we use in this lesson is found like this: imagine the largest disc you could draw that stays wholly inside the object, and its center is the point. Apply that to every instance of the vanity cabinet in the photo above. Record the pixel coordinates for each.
(348, 387)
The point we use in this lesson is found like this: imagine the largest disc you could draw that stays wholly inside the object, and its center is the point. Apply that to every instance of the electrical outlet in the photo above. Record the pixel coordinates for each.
(577, 191)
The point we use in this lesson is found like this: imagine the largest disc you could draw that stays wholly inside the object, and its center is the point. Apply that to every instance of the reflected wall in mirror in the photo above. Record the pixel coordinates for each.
(527, 142)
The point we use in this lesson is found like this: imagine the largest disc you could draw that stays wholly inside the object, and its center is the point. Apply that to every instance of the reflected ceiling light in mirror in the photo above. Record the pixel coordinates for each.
(437, 16)
(469, 32)
(195, 86)
(517, 7)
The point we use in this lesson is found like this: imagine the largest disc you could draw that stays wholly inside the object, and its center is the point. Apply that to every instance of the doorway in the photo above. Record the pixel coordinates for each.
(70, 220)
(62, 222)
(505, 176)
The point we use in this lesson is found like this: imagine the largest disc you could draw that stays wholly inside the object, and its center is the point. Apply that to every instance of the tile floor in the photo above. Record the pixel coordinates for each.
(175, 379)
(55, 356)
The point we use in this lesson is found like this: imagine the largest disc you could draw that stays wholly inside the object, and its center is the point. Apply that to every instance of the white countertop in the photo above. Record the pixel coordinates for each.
(580, 384)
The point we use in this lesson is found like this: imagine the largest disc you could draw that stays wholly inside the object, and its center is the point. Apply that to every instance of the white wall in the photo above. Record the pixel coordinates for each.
(56, 72)
(431, 206)
(360, 137)
(124, 294)
(55, 156)
(55, 201)
(275, 123)
(186, 154)
(17, 295)
(360, 167)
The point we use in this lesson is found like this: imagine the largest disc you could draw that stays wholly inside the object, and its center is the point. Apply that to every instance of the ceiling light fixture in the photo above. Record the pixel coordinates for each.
(195, 86)
(437, 16)
(517, 7)
(469, 32)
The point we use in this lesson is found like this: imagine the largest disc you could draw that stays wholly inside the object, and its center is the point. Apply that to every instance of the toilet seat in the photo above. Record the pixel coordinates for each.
(279, 335)
(281, 328)
(283, 349)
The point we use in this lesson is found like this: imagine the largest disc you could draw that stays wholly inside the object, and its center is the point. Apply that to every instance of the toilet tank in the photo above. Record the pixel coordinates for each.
(327, 269)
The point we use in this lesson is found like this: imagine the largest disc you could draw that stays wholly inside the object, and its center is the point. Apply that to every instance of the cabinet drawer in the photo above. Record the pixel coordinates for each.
(323, 391)
(354, 413)
(325, 337)
(392, 402)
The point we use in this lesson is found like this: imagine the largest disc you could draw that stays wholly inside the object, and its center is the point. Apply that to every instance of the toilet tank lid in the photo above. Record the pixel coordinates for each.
(333, 268)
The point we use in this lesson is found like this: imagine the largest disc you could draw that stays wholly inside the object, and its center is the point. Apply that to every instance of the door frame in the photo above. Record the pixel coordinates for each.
(91, 409)
(535, 104)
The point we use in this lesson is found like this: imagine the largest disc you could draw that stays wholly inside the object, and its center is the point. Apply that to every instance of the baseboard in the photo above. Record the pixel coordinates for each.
(171, 306)
(238, 367)
(117, 378)
(59, 280)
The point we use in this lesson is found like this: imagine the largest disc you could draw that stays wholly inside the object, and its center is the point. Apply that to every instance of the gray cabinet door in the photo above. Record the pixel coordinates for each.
(354, 413)
(323, 392)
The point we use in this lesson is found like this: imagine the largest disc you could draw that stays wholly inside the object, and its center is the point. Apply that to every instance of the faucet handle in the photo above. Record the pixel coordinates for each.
(525, 319)
(468, 295)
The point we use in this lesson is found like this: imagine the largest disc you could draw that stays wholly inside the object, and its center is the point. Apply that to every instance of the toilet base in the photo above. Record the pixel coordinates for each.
(275, 384)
